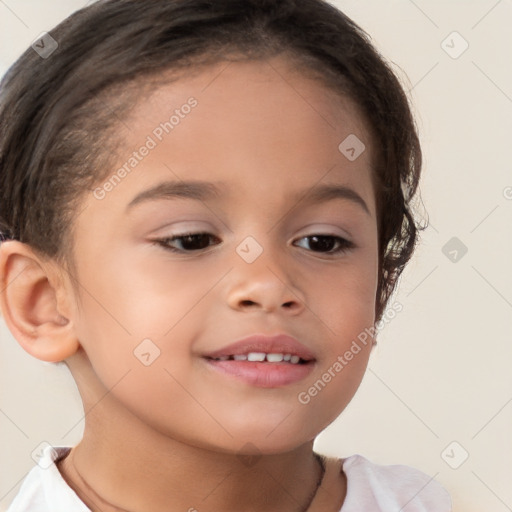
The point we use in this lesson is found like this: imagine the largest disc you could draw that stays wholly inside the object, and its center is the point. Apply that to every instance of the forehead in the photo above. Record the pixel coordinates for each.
(250, 92)
(257, 125)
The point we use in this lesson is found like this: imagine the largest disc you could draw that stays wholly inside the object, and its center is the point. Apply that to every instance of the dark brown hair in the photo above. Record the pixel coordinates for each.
(58, 114)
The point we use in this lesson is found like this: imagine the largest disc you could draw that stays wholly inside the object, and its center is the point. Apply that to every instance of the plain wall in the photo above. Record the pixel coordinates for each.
(441, 372)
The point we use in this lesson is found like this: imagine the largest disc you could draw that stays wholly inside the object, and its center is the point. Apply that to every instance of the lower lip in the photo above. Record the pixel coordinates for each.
(263, 375)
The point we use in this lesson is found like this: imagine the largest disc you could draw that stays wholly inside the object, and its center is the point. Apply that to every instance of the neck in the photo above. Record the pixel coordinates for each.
(123, 476)
(121, 464)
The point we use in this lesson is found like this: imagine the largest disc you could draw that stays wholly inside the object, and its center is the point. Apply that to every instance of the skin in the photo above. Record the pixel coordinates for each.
(268, 133)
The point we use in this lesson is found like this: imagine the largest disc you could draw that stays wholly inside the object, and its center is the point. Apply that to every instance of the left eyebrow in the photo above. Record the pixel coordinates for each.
(328, 192)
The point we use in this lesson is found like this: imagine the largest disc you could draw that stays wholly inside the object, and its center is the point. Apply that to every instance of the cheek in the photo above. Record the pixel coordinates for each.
(347, 347)
(346, 308)
(344, 297)
(131, 293)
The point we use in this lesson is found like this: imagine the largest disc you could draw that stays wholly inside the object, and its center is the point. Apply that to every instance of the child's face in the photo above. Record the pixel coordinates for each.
(266, 139)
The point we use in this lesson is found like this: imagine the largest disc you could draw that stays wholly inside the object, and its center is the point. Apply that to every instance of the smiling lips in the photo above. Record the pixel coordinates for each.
(264, 361)
(260, 357)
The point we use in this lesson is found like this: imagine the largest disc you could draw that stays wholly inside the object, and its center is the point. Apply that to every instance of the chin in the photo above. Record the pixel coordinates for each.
(265, 438)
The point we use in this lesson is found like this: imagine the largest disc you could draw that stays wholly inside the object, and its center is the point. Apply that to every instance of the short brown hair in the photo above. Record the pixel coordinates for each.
(57, 114)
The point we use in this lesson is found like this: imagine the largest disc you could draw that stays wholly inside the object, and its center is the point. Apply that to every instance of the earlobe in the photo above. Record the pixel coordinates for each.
(28, 300)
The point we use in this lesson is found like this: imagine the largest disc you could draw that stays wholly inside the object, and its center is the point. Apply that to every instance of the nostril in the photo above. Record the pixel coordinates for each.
(247, 303)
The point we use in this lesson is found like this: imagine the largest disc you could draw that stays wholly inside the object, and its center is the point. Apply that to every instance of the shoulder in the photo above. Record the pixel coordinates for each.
(44, 489)
(387, 488)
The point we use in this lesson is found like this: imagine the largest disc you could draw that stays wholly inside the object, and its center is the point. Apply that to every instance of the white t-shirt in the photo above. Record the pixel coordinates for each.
(370, 488)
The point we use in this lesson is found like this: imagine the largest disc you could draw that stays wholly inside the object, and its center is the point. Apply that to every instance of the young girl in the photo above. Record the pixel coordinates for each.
(205, 209)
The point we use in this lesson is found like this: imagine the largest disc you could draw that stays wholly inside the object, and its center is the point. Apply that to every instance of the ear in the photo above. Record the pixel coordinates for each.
(31, 297)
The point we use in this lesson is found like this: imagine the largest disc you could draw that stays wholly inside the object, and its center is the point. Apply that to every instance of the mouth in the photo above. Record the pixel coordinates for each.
(263, 361)
(262, 357)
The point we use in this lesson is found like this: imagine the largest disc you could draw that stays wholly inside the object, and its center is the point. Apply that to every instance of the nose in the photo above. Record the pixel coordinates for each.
(265, 285)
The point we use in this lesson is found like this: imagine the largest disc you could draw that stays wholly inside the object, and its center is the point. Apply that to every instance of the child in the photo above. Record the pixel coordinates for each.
(204, 206)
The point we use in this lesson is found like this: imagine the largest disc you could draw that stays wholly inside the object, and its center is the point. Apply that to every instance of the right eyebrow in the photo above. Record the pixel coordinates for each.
(198, 190)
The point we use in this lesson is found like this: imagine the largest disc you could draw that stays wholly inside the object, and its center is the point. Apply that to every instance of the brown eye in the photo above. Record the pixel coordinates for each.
(328, 244)
(188, 242)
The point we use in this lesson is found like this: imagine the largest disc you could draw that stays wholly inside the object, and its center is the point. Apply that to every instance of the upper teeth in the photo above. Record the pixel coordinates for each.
(262, 356)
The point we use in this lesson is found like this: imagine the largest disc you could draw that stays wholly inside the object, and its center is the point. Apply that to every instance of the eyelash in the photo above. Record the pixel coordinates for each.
(344, 245)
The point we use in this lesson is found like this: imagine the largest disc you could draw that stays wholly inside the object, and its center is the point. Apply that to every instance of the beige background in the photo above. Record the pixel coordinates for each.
(442, 370)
